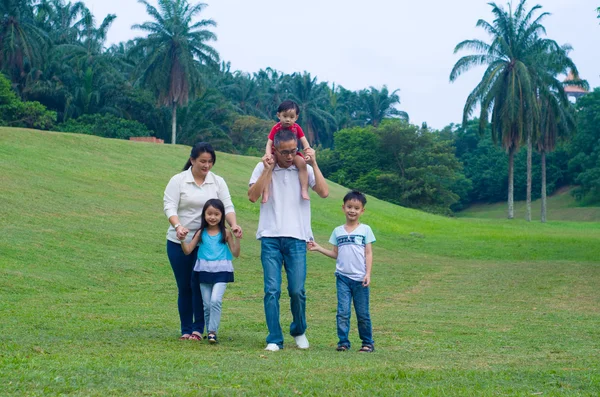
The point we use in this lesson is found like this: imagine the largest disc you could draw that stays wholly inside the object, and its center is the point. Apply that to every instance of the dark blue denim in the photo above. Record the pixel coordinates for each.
(290, 253)
(189, 298)
(349, 290)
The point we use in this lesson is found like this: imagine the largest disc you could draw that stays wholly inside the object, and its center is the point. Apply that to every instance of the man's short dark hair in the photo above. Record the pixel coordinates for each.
(284, 135)
(355, 195)
(288, 105)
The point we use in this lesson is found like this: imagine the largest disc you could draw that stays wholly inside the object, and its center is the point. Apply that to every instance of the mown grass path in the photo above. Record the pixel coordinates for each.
(88, 301)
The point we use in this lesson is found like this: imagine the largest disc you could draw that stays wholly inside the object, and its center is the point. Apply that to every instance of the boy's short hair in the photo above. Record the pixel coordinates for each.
(355, 195)
(288, 105)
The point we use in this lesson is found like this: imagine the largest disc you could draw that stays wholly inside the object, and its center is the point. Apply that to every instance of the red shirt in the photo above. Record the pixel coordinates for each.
(295, 129)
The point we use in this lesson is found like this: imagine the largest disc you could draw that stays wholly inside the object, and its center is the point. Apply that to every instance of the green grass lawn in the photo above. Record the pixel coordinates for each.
(560, 207)
(88, 301)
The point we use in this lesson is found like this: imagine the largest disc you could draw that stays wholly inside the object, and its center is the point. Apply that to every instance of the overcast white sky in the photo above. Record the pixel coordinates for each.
(406, 45)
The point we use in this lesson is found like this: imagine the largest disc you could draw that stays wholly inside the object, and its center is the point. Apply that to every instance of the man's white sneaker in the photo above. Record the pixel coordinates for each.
(301, 341)
(272, 347)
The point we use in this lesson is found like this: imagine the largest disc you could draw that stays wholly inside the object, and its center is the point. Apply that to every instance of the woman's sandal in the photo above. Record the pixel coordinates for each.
(185, 337)
(342, 348)
(367, 349)
(195, 336)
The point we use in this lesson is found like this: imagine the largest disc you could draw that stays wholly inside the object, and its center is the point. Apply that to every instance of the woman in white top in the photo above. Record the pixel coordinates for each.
(184, 199)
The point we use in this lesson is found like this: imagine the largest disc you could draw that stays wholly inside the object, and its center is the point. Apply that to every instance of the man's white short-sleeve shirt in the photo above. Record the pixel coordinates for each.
(286, 213)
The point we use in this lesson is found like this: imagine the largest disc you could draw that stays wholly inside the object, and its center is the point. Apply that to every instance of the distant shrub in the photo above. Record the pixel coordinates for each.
(16, 113)
(104, 125)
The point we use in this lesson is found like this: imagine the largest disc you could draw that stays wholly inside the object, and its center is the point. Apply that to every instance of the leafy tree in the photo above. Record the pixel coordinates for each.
(312, 98)
(486, 166)
(206, 119)
(557, 119)
(15, 113)
(400, 163)
(249, 135)
(271, 84)
(585, 148)
(21, 41)
(246, 95)
(79, 77)
(509, 85)
(422, 167)
(63, 22)
(378, 105)
(344, 105)
(104, 125)
(174, 51)
(357, 152)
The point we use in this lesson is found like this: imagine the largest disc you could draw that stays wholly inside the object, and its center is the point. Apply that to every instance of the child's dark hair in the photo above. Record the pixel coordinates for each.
(217, 204)
(197, 150)
(288, 105)
(355, 195)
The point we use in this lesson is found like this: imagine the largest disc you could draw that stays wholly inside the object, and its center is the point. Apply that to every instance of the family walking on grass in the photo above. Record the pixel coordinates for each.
(200, 248)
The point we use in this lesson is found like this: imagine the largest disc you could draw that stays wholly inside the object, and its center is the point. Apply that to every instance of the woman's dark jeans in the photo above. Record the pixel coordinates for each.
(189, 299)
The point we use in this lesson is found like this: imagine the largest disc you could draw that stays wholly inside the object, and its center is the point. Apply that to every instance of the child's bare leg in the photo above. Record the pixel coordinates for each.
(303, 175)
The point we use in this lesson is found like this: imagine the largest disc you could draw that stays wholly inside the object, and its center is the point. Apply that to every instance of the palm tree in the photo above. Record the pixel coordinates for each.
(245, 94)
(175, 50)
(378, 105)
(312, 98)
(508, 88)
(557, 113)
(272, 88)
(63, 21)
(21, 41)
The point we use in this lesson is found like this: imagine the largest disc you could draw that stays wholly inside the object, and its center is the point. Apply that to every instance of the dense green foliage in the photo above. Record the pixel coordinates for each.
(16, 113)
(58, 57)
(399, 163)
(104, 125)
(585, 148)
(486, 166)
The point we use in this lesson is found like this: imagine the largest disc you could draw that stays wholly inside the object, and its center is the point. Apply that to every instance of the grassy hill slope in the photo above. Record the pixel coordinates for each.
(459, 307)
(561, 207)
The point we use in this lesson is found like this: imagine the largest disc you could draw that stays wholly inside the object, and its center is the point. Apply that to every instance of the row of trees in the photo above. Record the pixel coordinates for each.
(172, 83)
(520, 88)
(402, 163)
(55, 53)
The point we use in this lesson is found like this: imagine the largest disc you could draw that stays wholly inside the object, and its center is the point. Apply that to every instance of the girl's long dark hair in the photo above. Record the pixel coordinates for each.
(217, 204)
(197, 150)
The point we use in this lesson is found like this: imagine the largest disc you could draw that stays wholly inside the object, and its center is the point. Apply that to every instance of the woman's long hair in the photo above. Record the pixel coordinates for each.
(216, 204)
(197, 150)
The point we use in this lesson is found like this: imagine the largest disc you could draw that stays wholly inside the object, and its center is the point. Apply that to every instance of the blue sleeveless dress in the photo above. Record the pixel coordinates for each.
(214, 263)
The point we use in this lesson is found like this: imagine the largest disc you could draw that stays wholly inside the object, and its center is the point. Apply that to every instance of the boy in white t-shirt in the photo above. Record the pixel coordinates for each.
(352, 249)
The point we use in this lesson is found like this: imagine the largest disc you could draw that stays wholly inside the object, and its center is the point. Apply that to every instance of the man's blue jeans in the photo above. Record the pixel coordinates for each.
(291, 253)
(349, 290)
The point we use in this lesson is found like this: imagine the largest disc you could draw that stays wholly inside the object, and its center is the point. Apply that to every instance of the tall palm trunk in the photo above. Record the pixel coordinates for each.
(511, 204)
(311, 136)
(529, 150)
(174, 123)
(543, 186)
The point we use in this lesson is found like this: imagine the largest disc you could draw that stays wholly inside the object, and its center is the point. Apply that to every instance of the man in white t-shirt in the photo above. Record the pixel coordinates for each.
(284, 229)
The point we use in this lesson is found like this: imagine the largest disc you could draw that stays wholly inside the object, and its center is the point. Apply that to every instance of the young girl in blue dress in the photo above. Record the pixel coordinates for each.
(214, 267)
